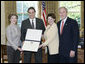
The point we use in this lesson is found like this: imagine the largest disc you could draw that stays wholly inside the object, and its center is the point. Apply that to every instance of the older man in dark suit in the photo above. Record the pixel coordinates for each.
(33, 23)
(68, 36)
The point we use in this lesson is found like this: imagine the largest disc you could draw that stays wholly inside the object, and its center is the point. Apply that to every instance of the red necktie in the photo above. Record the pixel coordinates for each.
(62, 27)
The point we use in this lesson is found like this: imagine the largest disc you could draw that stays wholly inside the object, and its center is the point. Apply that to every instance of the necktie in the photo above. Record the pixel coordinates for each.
(32, 24)
(62, 27)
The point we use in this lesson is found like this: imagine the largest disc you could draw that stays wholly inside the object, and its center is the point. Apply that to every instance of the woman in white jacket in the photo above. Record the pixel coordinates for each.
(51, 39)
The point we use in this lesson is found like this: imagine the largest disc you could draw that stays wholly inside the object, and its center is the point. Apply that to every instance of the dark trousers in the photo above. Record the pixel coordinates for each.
(13, 56)
(53, 58)
(63, 59)
(37, 56)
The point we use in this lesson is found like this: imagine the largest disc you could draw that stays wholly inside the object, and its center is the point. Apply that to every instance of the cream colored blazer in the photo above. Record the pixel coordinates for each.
(52, 39)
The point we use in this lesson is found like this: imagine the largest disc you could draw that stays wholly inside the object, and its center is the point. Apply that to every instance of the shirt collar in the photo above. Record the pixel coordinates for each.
(65, 19)
(32, 19)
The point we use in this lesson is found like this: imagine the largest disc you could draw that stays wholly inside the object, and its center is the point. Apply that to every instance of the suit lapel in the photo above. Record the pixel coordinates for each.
(37, 23)
(59, 27)
(29, 23)
(65, 25)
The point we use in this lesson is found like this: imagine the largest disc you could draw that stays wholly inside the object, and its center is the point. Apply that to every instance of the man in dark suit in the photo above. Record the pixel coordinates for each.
(68, 36)
(32, 23)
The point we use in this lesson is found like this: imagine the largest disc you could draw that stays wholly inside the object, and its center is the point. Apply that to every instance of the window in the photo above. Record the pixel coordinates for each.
(74, 9)
(22, 7)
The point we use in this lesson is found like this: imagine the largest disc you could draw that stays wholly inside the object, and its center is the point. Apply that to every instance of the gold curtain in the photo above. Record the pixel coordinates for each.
(2, 23)
(10, 7)
(52, 7)
(82, 14)
(82, 20)
(39, 8)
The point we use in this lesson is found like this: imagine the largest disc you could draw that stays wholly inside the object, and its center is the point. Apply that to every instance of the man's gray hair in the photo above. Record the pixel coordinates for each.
(63, 7)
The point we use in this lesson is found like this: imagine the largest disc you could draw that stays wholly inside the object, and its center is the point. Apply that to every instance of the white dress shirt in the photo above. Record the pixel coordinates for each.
(64, 23)
(34, 21)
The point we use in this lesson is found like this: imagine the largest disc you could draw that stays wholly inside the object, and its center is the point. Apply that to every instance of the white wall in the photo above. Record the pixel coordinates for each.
(3, 23)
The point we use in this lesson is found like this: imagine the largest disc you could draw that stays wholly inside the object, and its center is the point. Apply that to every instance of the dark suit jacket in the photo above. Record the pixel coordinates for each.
(69, 38)
(26, 24)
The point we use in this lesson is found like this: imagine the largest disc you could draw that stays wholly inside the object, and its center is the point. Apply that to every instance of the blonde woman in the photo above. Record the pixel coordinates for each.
(13, 40)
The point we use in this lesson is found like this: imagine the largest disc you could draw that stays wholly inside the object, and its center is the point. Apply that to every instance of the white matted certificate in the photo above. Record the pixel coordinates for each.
(32, 40)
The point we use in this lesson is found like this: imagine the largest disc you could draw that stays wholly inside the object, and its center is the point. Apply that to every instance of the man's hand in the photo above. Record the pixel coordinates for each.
(41, 46)
(43, 39)
(20, 49)
(72, 53)
(23, 42)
